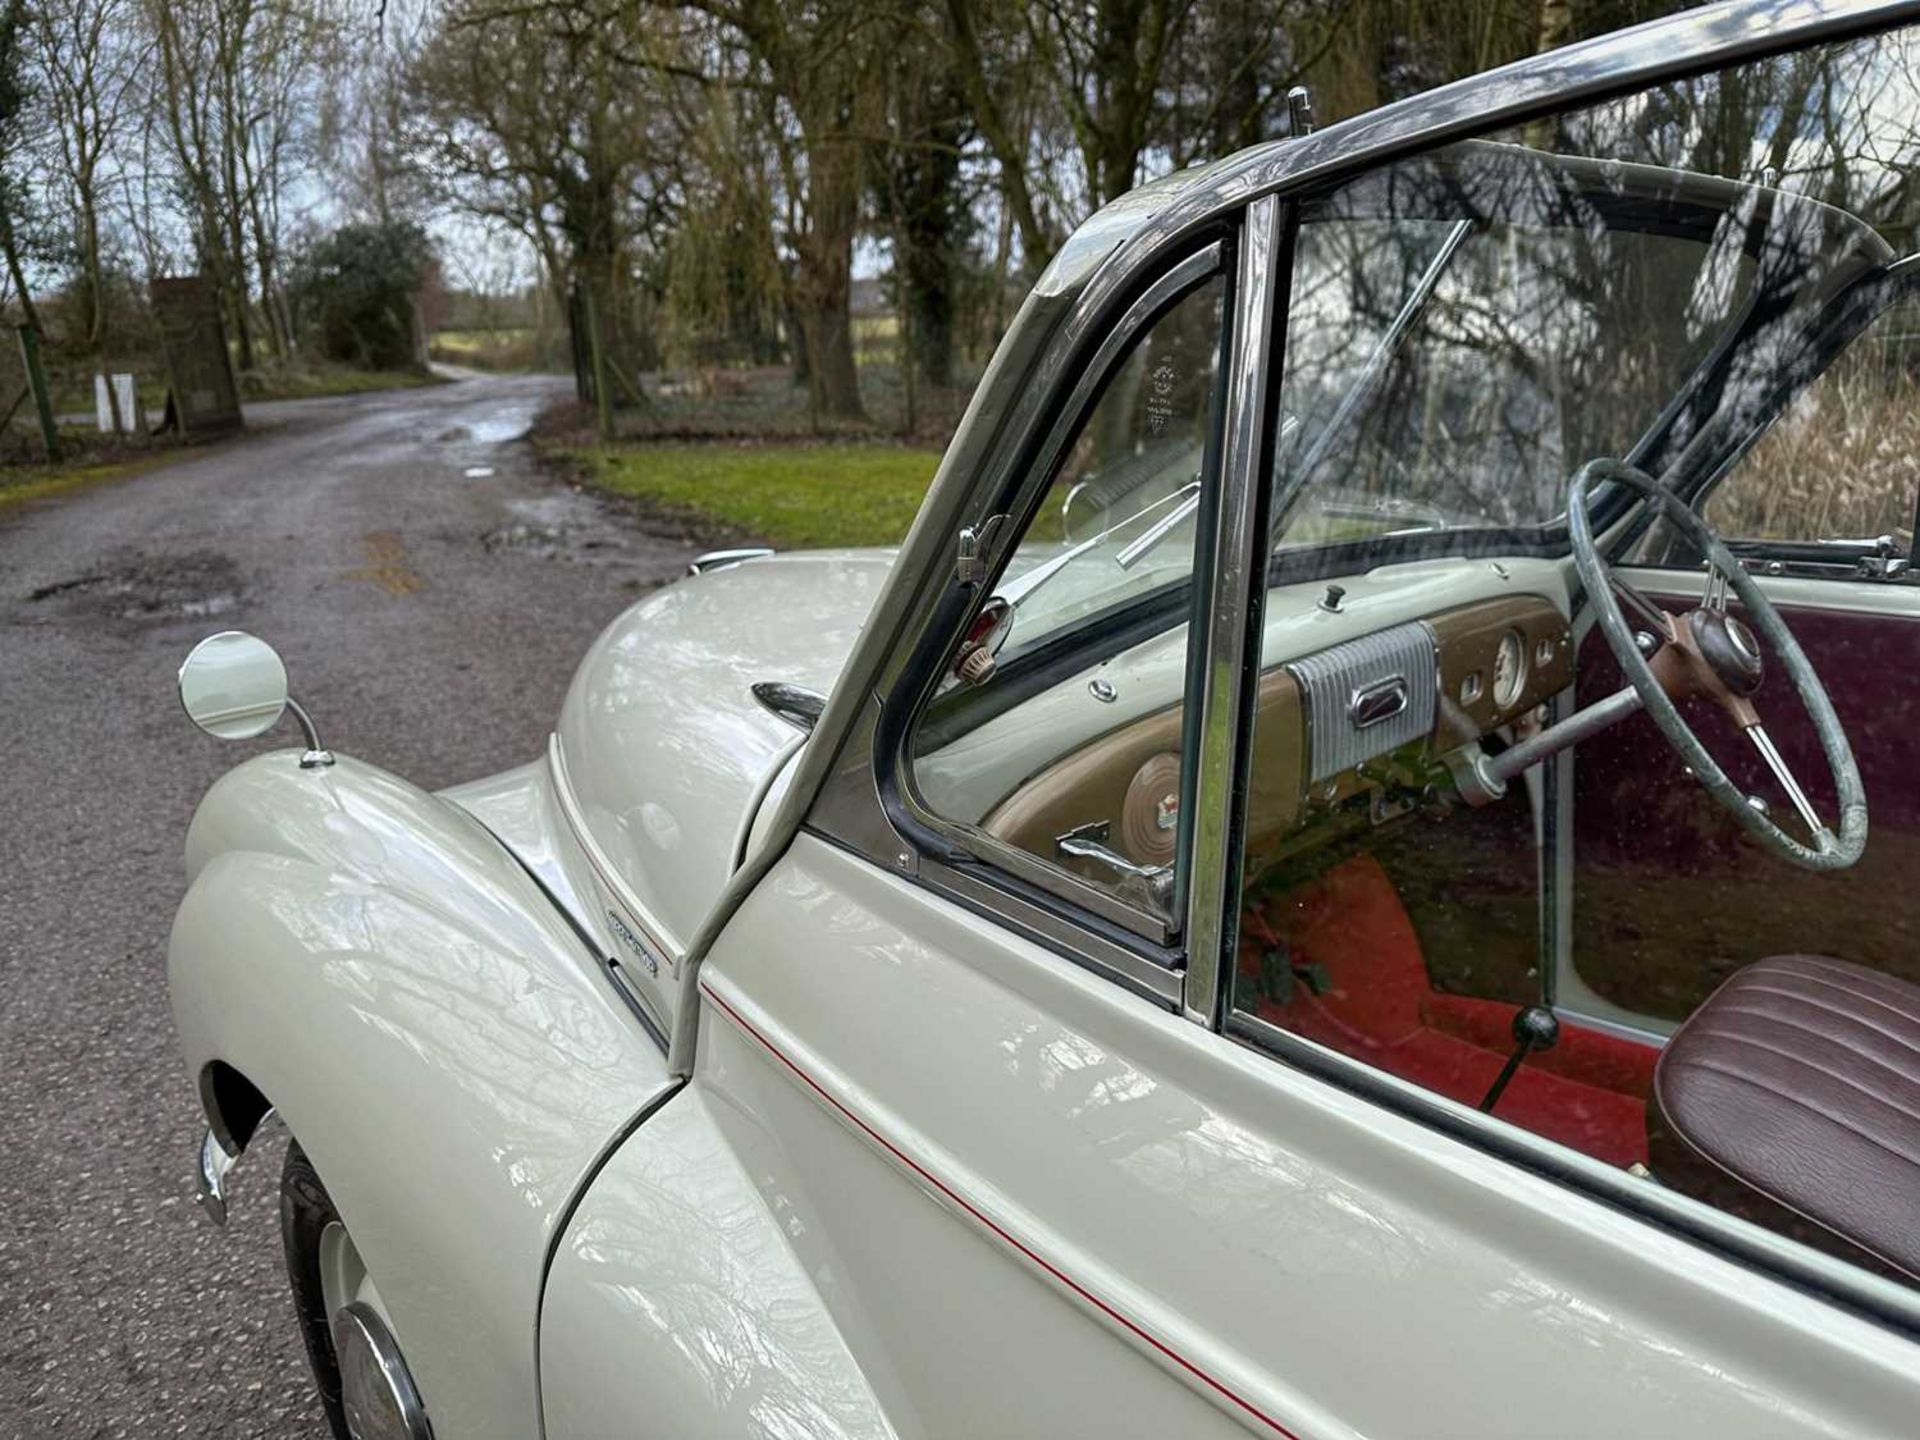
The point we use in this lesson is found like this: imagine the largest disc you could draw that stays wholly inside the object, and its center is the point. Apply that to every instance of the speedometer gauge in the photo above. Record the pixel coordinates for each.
(1509, 669)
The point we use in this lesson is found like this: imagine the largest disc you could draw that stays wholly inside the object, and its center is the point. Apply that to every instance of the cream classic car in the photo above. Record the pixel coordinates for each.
(1325, 890)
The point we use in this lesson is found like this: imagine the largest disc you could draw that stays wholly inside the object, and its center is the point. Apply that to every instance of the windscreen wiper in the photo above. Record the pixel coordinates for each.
(1021, 587)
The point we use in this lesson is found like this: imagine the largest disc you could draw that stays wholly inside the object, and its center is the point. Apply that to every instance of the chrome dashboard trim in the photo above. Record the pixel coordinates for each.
(1377, 703)
(1401, 659)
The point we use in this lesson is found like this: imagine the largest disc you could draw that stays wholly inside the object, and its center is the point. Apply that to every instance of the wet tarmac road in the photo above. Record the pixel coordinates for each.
(431, 595)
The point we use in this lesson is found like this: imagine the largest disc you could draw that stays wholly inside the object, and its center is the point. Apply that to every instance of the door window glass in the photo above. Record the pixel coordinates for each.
(1057, 728)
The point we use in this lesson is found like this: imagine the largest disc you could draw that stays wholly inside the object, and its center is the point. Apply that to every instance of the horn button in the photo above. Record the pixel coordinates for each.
(1729, 649)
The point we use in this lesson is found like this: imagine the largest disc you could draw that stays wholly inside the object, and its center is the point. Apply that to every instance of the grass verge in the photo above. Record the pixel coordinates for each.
(18, 487)
(792, 496)
(303, 383)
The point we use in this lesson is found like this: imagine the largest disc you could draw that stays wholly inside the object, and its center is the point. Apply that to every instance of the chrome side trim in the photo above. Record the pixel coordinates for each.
(656, 933)
(1229, 661)
(721, 559)
(567, 906)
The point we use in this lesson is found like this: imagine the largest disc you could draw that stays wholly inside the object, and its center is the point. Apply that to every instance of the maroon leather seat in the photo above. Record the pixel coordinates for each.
(1799, 1079)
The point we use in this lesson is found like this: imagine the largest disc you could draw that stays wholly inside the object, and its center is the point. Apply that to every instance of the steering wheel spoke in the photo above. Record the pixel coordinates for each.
(1783, 773)
(1649, 613)
(1715, 596)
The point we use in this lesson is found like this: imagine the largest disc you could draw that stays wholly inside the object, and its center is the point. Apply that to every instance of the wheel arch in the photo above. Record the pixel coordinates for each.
(368, 961)
(233, 1104)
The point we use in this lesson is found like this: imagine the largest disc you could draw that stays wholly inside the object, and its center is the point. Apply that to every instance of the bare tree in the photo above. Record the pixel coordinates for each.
(237, 87)
(824, 62)
(16, 98)
(189, 41)
(544, 119)
(87, 54)
(998, 73)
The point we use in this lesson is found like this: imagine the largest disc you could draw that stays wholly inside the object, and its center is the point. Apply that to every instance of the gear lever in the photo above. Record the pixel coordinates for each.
(1534, 1028)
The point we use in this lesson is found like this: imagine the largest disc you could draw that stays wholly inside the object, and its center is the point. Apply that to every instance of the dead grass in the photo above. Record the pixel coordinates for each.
(502, 351)
(1838, 464)
(303, 380)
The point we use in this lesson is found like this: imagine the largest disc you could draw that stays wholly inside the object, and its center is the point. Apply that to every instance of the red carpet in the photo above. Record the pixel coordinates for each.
(1589, 1091)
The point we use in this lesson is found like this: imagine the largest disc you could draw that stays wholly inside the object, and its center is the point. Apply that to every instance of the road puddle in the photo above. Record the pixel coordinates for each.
(133, 585)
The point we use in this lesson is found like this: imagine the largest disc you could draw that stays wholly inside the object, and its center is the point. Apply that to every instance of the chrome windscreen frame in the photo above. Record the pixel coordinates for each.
(838, 779)
(964, 861)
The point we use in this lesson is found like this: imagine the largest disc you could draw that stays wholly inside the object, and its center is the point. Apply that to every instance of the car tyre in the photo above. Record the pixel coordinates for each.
(305, 1212)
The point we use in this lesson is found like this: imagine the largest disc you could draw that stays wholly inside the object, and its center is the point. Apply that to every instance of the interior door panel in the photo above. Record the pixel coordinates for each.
(1669, 896)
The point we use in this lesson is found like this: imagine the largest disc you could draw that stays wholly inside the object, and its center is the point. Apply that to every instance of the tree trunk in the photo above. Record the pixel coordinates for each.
(929, 224)
(92, 279)
(1009, 150)
(236, 274)
(10, 245)
(826, 278)
(797, 343)
(831, 371)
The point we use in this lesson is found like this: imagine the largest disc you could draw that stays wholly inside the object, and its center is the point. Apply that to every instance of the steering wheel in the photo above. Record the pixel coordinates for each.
(1709, 653)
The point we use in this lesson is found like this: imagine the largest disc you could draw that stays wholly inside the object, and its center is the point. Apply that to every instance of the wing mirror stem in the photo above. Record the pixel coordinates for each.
(316, 755)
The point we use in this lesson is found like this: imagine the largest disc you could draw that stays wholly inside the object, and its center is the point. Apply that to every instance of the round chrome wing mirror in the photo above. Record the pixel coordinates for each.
(233, 686)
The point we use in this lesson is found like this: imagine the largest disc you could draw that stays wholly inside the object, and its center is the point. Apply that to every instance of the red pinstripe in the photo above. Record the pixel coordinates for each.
(1130, 1326)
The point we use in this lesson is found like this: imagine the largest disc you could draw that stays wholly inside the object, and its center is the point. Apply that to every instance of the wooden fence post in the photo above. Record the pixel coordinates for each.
(42, 397)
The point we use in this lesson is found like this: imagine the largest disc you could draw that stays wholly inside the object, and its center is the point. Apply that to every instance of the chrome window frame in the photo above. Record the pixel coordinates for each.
(837, 789)
(1229, 663)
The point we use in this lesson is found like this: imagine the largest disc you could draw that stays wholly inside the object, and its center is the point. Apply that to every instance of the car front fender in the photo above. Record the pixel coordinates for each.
(385, 975)
(683, 1293)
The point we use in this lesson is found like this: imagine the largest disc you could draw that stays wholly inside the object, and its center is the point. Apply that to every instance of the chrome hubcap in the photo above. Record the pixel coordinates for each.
(376, 1390)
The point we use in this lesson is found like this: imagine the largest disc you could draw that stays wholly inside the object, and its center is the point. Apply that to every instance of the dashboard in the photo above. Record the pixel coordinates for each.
(1355, 728)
